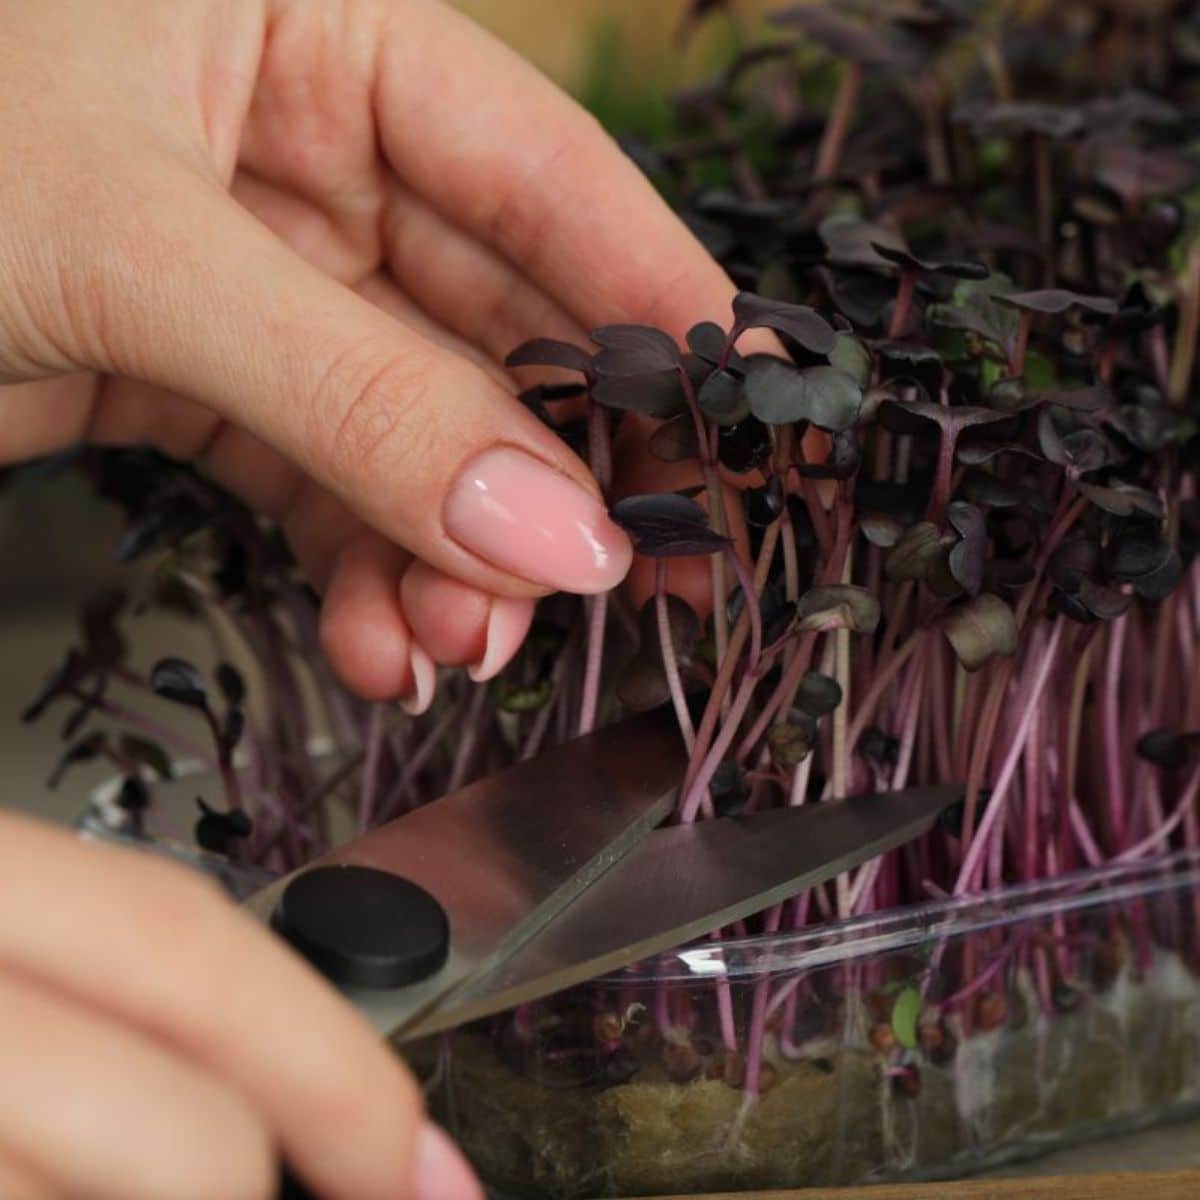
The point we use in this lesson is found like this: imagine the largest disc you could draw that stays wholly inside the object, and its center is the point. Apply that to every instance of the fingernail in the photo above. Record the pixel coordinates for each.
(508, 623)
(528, 519)
(441, 1172)
(424, 682)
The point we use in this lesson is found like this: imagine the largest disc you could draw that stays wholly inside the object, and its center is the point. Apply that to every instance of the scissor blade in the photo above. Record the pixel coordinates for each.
(507, 854)
(687, 880)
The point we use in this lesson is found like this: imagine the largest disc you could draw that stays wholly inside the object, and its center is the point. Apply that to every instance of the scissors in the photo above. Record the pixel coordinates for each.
(554, 871)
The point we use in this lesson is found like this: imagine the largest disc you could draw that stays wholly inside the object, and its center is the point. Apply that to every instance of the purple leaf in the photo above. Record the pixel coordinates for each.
(666, 525)
(798, 321)
(547, 352)
(1056, 300)
(634, 350)
(967, 556)
(655, 394)
(838, 606)
(980, 629)
(177, 680)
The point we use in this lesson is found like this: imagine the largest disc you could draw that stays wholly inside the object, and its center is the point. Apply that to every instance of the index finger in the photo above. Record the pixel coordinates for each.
(498, 149)
(158, 949)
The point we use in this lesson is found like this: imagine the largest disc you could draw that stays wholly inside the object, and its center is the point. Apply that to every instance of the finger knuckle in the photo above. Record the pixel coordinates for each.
(379, 402)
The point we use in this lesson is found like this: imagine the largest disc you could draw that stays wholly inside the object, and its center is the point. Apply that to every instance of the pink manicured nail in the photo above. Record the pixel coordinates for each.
(508, 623)
(420, 695)
(526, 518)
(440, 1171)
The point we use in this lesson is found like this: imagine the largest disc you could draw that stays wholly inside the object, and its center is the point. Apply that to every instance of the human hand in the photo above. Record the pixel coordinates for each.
(291, 240)
(157, 1042)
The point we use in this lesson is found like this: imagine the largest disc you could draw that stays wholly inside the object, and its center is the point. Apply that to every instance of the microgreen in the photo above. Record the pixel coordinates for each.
(961, 549)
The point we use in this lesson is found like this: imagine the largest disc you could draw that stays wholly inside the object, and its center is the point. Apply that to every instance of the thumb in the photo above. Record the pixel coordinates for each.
(420, 443)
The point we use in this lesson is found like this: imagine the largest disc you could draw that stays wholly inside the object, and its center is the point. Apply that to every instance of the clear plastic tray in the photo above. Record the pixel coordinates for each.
(923, 1043)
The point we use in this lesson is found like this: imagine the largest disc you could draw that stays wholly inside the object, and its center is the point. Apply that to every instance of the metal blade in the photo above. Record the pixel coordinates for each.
(687, 880)
(505, 855)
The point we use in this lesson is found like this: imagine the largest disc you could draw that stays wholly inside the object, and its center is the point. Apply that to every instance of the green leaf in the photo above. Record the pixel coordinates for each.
(850, 355)
(1039, 374)
(905, 1011)
(973, 308)
(514, 698)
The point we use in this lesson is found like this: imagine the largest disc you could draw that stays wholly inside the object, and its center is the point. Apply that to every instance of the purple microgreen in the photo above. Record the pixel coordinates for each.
(1150, 565)
(711, 343)
(729, 788)
(818, 695)
(852, 357)
(1135, 173)
(1008, 119)
(104, 646)
(666, 525)
(1131, 106)
(655, 394)
(1089, 399)
(799, 322)
(134, 797)
(232, 729)
(838, 606)
(177, 680)
(87, 749)
(967, 556)
(1168, 748)
(547, 352)
(910, 360)
(67, 676)
(1103, 602)
(880, 529)
(791, 742)
(869, 44)
(779, 394)
(980, 629)
(146, 753)
(634, 350)
(1067, 443)
(973, 308)
(765, 504)
(217, 831)
(230, 683)
(675, 440)
(745, 446)
(1052, 301)
(722, 398)
(91, 700)
(855, 243)
(1122, 500)
(878, 746)
(951, 268)
(916, 554)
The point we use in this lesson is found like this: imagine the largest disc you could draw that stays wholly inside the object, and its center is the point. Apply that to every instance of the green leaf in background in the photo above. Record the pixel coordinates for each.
(905, 1011)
